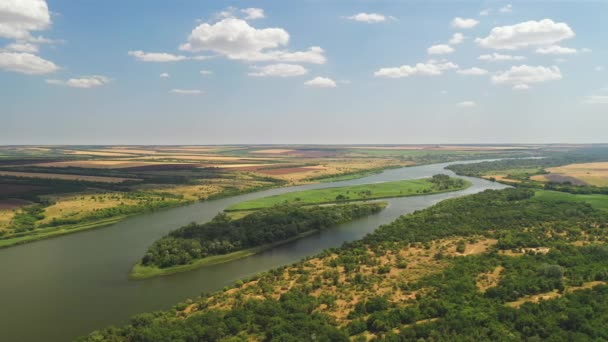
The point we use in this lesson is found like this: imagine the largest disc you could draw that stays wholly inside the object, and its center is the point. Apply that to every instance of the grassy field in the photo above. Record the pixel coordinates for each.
(588, 173)
(596, 201)
(347, 193)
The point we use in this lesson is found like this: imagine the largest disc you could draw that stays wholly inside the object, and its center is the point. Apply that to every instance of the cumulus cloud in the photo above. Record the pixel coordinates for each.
(430, 68)
(462, 23)
(253, 13)
(156, 56)
(22, 47)
(466, 104)
(278, 70)
(26, 63)
(496, 57)
(186, 91)
(523, 75)
(83, 82)
(236, 39)
(321, 82)
(473, 71)
(456, 39)
(555, 50)
(506, 9)
(19, 18)
(369, 18)
(440, 49)
(165, 75)
(525, 34)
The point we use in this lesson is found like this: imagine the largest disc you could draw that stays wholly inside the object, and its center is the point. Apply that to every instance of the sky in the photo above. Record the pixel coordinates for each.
(303, 72)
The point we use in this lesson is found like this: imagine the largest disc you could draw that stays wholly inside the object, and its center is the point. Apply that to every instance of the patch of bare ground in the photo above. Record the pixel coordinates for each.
(525, 250)
(553, 294)
(501, 178)
(489, 279)
(381, 272)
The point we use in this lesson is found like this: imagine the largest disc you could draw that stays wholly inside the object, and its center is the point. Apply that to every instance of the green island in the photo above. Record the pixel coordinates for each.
(225, 239)
(508, 265)
(435, 184)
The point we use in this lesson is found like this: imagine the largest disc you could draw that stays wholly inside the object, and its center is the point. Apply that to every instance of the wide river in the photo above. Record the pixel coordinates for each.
(62, 288)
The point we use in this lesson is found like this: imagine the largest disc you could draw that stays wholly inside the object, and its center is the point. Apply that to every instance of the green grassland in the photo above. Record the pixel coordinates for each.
(596, 201)
(351, 193)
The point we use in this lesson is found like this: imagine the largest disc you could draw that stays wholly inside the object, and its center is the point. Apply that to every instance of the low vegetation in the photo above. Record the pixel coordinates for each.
(438, 183)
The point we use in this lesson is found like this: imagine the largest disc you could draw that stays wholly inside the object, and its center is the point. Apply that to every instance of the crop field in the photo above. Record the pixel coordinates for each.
(342, 194)
(66, 177)
(15, 189)
(580, 174)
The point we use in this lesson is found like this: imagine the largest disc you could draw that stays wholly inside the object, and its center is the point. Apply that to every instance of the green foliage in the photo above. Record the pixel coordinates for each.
(223, 235)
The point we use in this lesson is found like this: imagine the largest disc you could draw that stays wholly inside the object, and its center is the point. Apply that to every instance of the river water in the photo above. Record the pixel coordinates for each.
(61, 288)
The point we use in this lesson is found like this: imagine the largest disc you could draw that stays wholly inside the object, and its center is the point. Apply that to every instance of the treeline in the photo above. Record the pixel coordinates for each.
(447, 304)
(223, 235)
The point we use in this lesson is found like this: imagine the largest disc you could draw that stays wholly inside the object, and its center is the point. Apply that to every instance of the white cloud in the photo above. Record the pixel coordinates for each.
(253, 13)
(369, 18)
(165, 75)
(596, 99)
(529, 33)
(523, 75)
(22, 47)
(26, 63)
(186, 91)
(496, 57)
(456, 39)
(236, 39)
(278, 70)
(555, 50)
(18, 18)
(441, 49)
(206, 72)
(462, 23)
(156, 56)
(485, 12)
(321, 82)
(84, 82)
(507, 9)
(473, 71)
(430, 68)
(521, 87)
(467, 104)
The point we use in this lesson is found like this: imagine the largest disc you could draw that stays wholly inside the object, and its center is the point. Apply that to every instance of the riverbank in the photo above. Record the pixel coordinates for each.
(140, 272)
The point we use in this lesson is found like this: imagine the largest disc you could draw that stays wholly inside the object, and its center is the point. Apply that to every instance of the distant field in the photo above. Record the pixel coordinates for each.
(596, 201)
(347, 193)
(587, 173)
(15, 189)
(100, 164)
(66, 177)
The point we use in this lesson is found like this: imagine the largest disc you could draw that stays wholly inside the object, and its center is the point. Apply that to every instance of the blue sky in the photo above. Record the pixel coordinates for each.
(331, 71)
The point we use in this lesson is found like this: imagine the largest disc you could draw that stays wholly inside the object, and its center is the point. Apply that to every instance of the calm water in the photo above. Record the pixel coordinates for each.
(58, 289)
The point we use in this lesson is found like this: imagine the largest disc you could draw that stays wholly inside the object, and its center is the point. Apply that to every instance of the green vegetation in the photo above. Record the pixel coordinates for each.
(596, 201)
(195, 244)
(438, 183)
(368, 289)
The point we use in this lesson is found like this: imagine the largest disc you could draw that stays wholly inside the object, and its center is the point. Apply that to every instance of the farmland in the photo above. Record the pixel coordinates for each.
(595, 174)
(63, 187)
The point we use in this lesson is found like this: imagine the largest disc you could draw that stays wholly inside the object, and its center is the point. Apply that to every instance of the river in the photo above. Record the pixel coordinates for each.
(62, 288)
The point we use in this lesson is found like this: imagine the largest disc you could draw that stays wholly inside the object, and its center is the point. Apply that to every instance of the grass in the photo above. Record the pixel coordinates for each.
(140, 271)
(596, 201)
(348, 193)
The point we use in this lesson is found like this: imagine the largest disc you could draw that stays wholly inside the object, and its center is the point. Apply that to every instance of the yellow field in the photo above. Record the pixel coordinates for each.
(202, 158)
(501, 178)
(272, 151)
(590, 173)
(66, 177)
(100, 164)
(78, 206)
(5, 218)
(98, 153)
